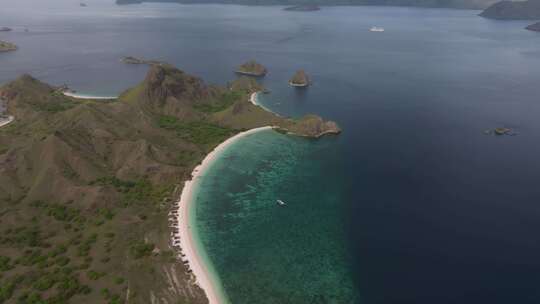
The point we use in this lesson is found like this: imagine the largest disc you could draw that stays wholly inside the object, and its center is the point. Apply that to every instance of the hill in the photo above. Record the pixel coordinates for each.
(86, 186)
(513, 10)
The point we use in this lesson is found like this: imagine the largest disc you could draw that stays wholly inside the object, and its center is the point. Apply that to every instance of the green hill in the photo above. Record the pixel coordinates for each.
(86, 186)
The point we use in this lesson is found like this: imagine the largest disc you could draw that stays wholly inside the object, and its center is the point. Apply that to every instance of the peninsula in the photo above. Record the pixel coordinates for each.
(89, 188)
(7, 46)
(300, 79)
(252, 68)
(513, 10)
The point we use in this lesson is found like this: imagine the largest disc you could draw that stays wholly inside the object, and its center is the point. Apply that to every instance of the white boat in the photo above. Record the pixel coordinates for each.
(376, 29)
(281, 203)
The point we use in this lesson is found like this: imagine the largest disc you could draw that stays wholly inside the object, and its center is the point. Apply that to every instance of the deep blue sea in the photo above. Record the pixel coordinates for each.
(413, 203)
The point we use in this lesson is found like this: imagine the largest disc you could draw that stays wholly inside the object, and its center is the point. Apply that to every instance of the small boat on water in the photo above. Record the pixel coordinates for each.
(281, 203)
(376, 29)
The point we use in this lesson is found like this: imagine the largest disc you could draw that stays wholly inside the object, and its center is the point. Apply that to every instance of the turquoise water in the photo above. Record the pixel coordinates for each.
(264, 253)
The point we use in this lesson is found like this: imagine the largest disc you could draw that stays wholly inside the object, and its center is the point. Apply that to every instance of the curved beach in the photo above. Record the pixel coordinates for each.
(189, 244)
(255, 101)
(7, 121)
(83, 96)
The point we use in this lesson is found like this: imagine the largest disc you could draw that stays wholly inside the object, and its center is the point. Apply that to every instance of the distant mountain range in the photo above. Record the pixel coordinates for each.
(513, 10)
(462, 4)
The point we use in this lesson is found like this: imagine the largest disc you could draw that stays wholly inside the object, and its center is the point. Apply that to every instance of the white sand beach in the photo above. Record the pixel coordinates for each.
(255, 101)
(7, 121)
(187, 242)
(83, 96)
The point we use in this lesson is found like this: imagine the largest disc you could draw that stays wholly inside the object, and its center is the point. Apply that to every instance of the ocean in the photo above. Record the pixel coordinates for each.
(412, 203)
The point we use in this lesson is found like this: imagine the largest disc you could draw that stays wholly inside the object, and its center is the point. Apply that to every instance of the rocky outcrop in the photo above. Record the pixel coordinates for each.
(513, 10)
(7, 46)
(534, 27)
(170, 91)
(300, 79)
(252, 68)
(313, 126)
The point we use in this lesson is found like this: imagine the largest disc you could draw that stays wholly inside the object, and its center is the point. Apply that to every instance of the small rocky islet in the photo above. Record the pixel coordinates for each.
(300, 79)
(7, 46)
(500, 131)
(252, 68)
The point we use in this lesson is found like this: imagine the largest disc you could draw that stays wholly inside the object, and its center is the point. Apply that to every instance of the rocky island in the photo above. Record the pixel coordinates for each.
(303, 8)
(135, 60)
(300, 79)
(252, 68)
(534, 27)
(7, 46)
(95, 183)
(513, 10)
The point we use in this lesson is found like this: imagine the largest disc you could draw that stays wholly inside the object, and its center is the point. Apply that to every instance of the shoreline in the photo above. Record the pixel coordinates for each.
(9, 120)
(254, 100)
(83, 96)
(190, 253)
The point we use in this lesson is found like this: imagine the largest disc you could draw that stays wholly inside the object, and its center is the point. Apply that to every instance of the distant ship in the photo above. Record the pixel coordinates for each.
(281, 203)
(376, 29)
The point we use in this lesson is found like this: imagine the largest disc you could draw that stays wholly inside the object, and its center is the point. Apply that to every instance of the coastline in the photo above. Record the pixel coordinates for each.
(83, 96)
(191, 252)
(255, 101)
(9, 120)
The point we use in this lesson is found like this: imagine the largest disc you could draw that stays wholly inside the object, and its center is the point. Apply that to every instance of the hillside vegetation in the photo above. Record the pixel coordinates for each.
(86, 186)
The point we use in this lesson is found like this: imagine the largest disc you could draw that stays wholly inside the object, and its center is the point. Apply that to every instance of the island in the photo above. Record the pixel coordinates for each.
(300, 79)
(135, 60)
(252, 68)
(303, 8)
(461, 4)
(92, 190)
(513, 10)
(534, 27)
(501, 131)
(7, 46)
(5, 29)
(83, 4)
(126, 2)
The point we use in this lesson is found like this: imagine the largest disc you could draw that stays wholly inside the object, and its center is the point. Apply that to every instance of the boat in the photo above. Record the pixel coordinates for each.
(376, 29)
(281, 203)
